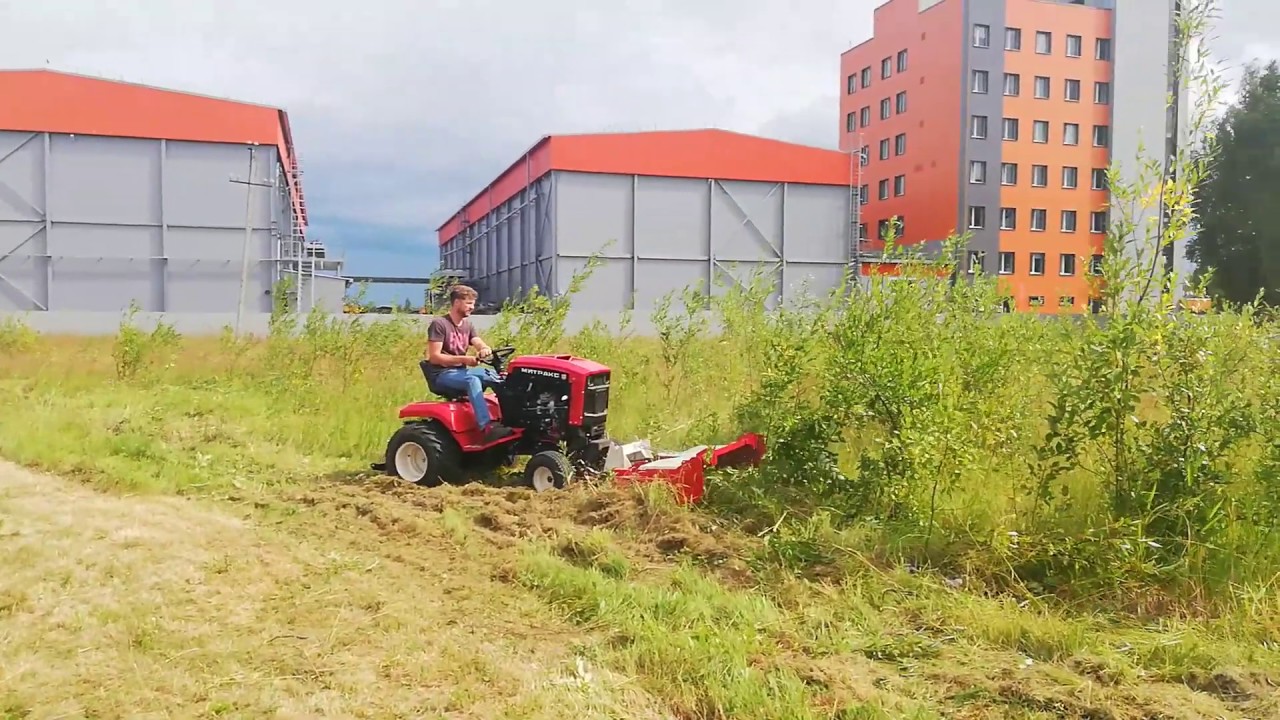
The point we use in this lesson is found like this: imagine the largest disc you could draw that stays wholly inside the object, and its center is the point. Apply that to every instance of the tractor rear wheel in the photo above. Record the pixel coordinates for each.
(425, 454)
(548, 469)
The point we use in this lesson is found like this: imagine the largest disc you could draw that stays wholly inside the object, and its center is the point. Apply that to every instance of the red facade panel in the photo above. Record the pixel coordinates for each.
(923, 135)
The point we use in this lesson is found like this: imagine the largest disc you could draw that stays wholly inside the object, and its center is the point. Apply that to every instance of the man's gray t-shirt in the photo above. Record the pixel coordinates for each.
(455, 339)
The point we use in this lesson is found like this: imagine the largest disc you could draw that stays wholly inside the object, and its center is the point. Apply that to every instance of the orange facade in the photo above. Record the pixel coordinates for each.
(999, 135)
(1053, 197)
(709, 153)
(47, 101)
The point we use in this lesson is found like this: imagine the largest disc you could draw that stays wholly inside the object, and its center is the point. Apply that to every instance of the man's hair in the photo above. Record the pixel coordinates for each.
(461, 292)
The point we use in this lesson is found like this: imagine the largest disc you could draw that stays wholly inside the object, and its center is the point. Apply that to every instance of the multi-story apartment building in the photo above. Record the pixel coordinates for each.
(1000, 118)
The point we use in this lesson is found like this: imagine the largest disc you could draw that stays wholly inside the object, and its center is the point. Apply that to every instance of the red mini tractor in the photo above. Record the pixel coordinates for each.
(557, 407)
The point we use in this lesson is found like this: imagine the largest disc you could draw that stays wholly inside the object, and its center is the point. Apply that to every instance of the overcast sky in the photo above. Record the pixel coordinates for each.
(403, 109)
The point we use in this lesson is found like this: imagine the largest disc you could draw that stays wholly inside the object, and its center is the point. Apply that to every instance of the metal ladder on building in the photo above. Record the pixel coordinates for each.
(857, 158)
(304, 263)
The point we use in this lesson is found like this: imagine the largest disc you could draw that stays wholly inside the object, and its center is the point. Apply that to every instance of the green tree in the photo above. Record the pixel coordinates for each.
(1238, 236)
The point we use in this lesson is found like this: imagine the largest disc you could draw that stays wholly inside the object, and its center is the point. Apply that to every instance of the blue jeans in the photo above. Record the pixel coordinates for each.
(472, 381)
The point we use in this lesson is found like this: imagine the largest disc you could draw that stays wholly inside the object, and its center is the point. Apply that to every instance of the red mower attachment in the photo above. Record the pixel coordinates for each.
(685, 472)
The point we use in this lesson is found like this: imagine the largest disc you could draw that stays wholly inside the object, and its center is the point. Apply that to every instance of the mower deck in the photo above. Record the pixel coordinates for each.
(686, 471)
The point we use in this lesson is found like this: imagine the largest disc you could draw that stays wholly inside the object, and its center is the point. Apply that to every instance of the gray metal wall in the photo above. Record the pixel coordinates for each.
(1141, 122)
(654, 235)
(990, 104)
(511, 249)
(91, 223)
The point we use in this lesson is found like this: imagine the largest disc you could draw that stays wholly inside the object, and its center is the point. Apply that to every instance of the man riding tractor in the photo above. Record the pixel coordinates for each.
(450, 367)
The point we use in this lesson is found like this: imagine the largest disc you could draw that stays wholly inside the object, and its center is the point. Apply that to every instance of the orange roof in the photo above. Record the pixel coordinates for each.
(58, 102)
(707, 153)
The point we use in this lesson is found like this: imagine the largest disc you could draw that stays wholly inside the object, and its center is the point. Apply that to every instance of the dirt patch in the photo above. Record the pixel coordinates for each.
(646, 531)
(667, 532)
(339, 602)
(1231, 686)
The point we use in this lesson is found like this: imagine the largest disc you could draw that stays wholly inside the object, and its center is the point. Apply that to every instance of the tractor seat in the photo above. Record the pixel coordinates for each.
(449, 395)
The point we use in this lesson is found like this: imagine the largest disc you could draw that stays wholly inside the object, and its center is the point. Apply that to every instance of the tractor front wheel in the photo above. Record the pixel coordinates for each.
(424, 454)
(549, 469)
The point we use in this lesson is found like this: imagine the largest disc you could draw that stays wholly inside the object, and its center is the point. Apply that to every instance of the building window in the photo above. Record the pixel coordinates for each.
(1042, 87)
(982, 36)
(1013, 39)
(1102, 93)
(1071, 134)
(866, 76)
(884, 149)
(884, 189)
(980, 80)
(850, 122)
(1070, 177)
(862, 231)
(1012, 84)
(1008, 173)
(1074, 45)
(864, 155)
(1099, 180)
(900, 102)
(851, 84)
(1006, 263)
(900, 144)
(865, 116)
(865, 193)
(1037, 264)
(1066, 301)
(1039, 176)
(1040, 131)
(1098, 222)
(1068, 221)
(899, 185)
(1102, 51)
(978, 127)
(886, 108)
(1036, 301)
(1095, 264)
(902, 61)
(978, 172)
(977, 217)
(1038, 218)
(1071, 90)
(1009, 129)
(1066, 264)
(1008, 218)
(1044, 42)
(886, 68)
(1101, 135)
(976, 258)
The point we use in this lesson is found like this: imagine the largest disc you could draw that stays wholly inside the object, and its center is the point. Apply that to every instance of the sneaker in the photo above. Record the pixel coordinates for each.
(496, 431)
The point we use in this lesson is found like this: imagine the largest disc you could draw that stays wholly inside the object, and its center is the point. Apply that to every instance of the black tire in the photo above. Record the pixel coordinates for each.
(548, 469)
(442, 454)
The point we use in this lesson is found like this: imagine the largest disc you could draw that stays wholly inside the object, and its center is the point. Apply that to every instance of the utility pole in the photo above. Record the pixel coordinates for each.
(249, 184)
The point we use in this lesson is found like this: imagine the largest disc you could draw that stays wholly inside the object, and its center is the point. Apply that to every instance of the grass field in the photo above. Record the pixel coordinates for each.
(962, 514)
(207, 542)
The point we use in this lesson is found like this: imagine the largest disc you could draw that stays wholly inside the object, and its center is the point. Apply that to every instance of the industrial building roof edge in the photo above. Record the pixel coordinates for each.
(283, 129)
(838, 172)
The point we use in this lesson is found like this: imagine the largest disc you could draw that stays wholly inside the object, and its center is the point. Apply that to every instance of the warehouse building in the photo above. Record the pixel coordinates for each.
(663, 211)
(113, 193)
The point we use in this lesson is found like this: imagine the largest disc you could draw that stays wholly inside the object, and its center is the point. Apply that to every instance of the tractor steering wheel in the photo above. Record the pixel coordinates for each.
(498, 357)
